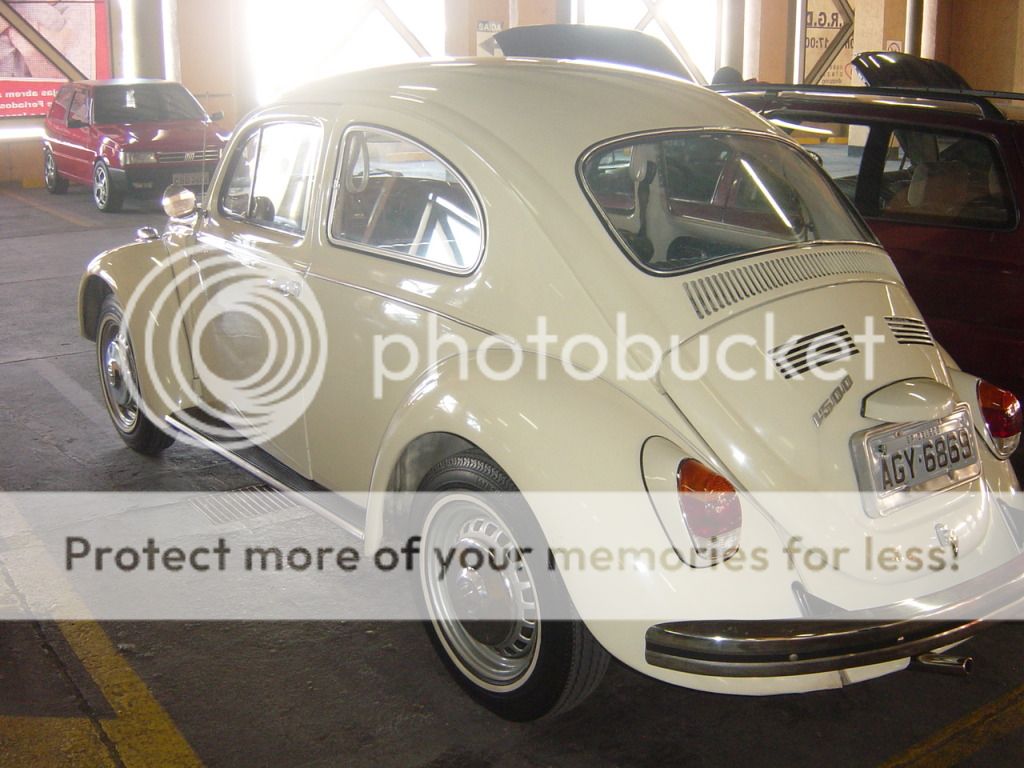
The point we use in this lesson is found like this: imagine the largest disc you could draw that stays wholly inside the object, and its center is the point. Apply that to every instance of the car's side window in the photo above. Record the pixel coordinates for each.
(694, 168)
(271, 176)
(909, 174)
(837, 147)
(944, 179)
(611, 181)
(396, 196)
(284, 175)
(63, 97)
(79, 107)
(235, 196)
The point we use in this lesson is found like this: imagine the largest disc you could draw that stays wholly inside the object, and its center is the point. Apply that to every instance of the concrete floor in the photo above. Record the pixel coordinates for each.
(357, 693)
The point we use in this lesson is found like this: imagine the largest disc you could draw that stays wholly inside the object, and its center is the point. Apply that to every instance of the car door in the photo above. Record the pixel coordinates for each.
(948, 217)
(254, 334)
(403, 239)
(78, 143)
(57, 127)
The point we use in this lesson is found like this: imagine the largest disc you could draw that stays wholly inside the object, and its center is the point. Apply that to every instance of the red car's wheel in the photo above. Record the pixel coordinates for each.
(108, 199)
(55, 183)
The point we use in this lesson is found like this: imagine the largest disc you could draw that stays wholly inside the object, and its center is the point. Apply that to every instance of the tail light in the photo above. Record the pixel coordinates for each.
(1003, 418)
(711, 511)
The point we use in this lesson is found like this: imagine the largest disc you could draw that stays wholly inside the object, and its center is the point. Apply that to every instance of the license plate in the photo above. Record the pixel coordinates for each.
(924, 457)
(190, 179)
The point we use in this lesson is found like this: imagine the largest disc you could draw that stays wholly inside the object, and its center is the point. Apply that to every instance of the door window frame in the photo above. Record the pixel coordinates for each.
(338, 187)
(235, 156)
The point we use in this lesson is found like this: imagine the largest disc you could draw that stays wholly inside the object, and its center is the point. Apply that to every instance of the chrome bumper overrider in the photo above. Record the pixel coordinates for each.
(774, 648)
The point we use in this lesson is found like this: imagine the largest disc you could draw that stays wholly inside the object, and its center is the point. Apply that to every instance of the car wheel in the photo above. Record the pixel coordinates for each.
(55, 183)
(116, 362)
(108, 199)
(515, 662)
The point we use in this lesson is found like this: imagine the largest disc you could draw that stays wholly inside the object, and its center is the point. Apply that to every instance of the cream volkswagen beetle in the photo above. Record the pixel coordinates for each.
(781, 400)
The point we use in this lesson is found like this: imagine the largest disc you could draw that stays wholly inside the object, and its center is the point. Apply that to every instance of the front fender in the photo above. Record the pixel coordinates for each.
(142, 276)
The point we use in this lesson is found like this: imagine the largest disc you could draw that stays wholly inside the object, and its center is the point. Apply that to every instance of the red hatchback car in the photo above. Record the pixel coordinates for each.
(128, 138)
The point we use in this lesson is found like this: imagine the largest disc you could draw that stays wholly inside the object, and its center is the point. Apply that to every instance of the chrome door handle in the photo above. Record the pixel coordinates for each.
(287, 287)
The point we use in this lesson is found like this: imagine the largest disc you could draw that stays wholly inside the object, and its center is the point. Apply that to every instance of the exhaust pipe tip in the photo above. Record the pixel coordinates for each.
(944, 664)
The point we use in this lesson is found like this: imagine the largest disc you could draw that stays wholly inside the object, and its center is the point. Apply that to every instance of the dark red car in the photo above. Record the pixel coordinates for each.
(128, 138)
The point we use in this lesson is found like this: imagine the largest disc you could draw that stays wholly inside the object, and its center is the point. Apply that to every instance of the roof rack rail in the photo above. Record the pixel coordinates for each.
(980, 99)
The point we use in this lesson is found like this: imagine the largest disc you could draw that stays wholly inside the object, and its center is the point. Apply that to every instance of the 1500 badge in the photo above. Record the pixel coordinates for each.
(826, 408)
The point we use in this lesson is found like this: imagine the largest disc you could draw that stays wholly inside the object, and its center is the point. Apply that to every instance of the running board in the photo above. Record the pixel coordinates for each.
(253, 459)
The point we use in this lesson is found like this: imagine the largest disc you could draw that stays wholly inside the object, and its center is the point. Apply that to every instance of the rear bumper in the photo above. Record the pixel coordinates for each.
(779, 648)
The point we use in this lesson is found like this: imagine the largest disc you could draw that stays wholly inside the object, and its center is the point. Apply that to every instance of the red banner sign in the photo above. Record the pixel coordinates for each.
(29, 76)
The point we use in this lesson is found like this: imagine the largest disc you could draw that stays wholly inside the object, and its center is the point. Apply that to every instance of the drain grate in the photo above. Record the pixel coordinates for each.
(241, 504)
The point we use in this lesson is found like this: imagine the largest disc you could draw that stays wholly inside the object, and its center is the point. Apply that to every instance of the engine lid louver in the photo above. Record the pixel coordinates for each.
(720, 290)
(813, 351)
(910, 330)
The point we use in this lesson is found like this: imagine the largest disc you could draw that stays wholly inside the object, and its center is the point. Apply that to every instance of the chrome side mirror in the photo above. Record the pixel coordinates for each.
(179, 202)
(146, 235)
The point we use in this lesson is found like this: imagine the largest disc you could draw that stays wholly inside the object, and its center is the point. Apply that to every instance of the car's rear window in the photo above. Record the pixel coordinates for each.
(685, 199)
(145, 103)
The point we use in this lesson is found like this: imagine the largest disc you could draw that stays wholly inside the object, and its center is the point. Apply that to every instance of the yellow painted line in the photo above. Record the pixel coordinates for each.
(52, 742)
(142, 732)
(958, 741)
(53, 210)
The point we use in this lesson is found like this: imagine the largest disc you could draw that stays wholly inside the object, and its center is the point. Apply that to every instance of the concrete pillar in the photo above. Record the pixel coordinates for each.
(913, 27)
(172, 50)
(751, 38)
(766, 40)
(798, 53)
(138, 32)
(929, 28)
(733, 31)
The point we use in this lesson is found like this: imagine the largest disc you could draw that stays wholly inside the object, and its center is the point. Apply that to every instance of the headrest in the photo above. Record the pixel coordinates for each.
(643, 163)
(995, 183)
(938, 185)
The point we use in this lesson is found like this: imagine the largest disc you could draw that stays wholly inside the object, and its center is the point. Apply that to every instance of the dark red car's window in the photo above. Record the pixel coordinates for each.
(916, 175)
(79, 107)
(946, 179)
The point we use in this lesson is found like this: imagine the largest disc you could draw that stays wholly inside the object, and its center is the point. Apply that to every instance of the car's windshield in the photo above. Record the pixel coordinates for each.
(145, 103)
(685, 199)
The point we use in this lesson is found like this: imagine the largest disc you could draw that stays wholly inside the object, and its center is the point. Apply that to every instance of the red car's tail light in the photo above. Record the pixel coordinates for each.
(1003, 417)
(711, 510)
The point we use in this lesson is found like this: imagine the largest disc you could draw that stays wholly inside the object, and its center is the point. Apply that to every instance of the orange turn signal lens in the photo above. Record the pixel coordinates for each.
(711, 510)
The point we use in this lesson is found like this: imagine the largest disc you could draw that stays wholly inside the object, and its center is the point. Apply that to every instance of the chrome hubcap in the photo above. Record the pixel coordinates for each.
(100, 185)
(118, 376)
(50, 170)
(484, 603)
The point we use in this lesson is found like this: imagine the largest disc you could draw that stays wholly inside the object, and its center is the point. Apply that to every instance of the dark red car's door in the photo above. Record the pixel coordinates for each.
(964, 266)
(78, 137)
